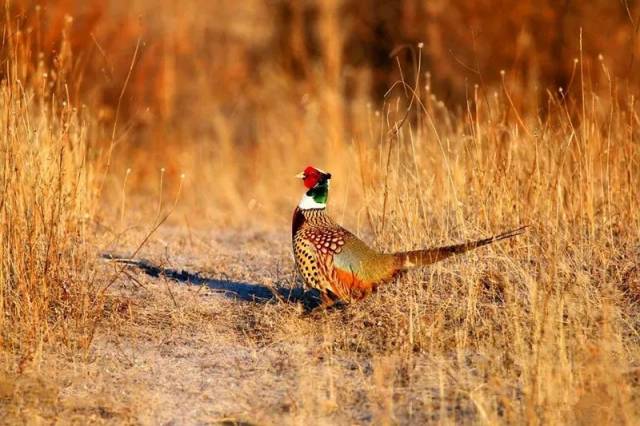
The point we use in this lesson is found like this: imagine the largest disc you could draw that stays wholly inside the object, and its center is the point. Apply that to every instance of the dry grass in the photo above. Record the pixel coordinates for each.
(48, 193)
(542, 329)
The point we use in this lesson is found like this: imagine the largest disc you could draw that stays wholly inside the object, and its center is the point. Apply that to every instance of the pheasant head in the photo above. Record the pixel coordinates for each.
(316, 182)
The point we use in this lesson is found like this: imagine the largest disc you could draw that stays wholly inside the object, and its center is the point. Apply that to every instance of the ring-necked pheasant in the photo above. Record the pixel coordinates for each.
(341, 266)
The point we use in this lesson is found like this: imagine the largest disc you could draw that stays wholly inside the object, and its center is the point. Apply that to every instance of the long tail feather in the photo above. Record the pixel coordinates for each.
(417, 258)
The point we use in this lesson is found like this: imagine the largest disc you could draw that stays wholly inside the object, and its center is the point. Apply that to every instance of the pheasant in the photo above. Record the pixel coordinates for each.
(341, 266)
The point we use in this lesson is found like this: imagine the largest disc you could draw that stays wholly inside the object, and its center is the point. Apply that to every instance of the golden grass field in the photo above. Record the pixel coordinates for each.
(171, 133)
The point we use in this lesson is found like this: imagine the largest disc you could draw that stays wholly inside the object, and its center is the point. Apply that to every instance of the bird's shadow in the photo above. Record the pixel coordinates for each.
(236, 290)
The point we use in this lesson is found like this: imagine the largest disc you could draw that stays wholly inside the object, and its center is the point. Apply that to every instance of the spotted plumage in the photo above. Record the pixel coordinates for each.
(338, 264)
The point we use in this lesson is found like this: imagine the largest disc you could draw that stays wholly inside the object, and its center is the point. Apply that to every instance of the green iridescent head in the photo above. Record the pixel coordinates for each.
(317, 183)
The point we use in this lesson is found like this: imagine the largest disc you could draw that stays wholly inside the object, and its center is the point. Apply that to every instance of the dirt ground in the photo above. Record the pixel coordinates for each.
(200, 338)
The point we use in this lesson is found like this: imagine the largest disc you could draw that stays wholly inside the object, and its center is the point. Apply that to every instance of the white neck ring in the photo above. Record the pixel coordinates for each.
(308, 203)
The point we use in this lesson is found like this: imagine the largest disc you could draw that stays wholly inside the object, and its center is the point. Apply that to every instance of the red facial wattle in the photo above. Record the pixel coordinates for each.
(311, 178)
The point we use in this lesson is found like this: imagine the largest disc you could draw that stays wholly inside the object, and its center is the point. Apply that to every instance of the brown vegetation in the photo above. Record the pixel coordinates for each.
(104, 105)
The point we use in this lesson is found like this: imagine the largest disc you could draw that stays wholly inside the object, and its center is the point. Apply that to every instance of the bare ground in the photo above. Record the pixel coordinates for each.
(213, 329)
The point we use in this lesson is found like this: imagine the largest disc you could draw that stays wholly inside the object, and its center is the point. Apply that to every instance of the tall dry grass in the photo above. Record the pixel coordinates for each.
(47, 289)
(543, 329)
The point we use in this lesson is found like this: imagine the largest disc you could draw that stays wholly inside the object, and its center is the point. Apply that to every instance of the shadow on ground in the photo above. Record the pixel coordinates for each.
(246, 292)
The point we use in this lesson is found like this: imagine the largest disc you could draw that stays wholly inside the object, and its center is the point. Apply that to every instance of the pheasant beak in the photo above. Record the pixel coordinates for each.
(300, 175)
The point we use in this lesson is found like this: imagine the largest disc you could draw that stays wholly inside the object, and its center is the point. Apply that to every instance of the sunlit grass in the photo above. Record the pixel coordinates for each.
(540, 329)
